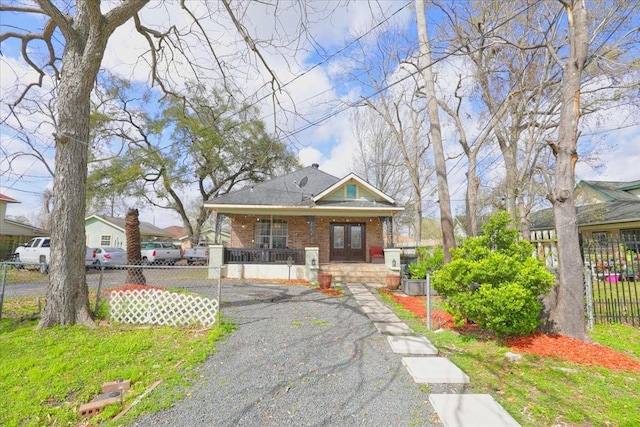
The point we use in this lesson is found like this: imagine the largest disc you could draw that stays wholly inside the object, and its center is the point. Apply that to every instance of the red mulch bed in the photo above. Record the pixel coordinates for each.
(332, 292)
(133, 287)
(558, 346)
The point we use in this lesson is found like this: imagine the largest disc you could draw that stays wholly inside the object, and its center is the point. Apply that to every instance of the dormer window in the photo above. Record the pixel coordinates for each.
(352, 191)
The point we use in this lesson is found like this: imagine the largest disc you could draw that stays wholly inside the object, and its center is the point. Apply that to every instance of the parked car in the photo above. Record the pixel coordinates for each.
(160, 253)
(38, 252)
(108, 256)
(197, 255)
(90, 257)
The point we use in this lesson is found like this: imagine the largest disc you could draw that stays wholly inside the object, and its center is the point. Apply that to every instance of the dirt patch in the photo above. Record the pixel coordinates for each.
(558, 346)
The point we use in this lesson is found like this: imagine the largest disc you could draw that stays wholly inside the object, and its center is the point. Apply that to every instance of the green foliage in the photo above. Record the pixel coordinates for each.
(428, 260)
(494, 280)
(50, 372)
(201, 145)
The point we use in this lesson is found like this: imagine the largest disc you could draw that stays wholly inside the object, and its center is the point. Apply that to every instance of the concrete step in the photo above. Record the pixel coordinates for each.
(355, 272)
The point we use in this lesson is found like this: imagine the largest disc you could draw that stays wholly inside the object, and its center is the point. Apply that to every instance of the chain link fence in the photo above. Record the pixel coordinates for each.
(28, 282)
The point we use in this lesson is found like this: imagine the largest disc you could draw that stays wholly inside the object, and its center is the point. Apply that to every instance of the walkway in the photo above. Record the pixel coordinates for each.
(302, 358)
(421, 361)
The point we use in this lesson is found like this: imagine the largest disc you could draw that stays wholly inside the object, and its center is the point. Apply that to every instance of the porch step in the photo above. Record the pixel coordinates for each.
(355, 272)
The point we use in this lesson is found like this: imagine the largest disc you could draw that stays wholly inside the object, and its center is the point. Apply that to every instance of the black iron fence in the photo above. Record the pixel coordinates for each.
(264, 256)
(613, 290)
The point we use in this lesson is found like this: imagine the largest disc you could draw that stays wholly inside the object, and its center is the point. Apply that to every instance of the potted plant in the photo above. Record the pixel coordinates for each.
(393, 282)
(325, 280)
(427, 261)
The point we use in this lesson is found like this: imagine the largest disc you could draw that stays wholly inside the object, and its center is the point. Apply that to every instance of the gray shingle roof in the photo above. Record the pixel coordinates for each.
(284, 191)
(614, 191)
(600, 213)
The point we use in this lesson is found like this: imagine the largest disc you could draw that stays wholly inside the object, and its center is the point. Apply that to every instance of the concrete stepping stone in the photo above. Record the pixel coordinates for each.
(432, 370)
(470, 410)
(393, 328)
(374, 308)
(384, 317)
(365, 298)
(411, 345)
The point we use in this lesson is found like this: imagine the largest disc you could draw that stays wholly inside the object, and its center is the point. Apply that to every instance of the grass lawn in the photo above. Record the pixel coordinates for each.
(540, 391)
(46, 375)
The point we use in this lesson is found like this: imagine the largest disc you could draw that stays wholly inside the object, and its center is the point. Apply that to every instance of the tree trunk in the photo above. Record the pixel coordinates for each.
(67, 300)
(567, 317)
(473, 184)
(446, 219)
(134, 255)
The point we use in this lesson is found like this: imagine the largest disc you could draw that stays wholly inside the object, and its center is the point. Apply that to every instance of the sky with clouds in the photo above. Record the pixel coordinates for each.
(311, 71)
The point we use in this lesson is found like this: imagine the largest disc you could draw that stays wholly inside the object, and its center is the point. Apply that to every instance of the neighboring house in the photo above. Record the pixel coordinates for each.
(340, 218)
(604, 209)
(109, 231)
(13, 233)
(181, 237)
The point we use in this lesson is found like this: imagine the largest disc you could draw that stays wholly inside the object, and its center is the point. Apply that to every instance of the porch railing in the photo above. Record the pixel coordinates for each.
(263, 256)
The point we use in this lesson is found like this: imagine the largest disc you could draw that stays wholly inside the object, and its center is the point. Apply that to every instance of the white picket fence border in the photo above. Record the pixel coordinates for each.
(160, 307)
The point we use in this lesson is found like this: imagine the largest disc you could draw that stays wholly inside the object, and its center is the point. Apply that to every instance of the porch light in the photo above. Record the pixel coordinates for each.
(394, 263)
(313, 262)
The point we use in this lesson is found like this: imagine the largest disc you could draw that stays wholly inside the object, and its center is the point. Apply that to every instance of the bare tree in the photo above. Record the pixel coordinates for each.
(75, 38)
(446, 218)
(471, 147)
(568, 313)
(395, 119)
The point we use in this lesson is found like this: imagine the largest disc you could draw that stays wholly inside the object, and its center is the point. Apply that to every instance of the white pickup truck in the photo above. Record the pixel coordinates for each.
(197, 255)
(160, 253)
(38, 252)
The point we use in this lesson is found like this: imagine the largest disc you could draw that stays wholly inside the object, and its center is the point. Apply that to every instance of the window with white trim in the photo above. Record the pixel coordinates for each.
(105, 240)
(271, 234)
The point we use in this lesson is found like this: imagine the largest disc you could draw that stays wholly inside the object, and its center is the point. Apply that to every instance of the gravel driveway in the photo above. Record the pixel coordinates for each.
(299, 358)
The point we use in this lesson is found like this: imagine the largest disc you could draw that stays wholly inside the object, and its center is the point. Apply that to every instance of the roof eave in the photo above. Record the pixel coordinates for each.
(303, 210)
(361, 181)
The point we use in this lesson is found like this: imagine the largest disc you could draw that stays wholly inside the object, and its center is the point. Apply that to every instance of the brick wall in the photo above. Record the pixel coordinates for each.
(299, 234)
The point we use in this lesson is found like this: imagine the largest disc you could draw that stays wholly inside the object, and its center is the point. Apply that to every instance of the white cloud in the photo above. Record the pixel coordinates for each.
(329, 143)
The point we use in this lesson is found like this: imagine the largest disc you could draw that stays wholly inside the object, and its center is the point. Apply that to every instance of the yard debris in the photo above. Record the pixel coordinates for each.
(513, 357)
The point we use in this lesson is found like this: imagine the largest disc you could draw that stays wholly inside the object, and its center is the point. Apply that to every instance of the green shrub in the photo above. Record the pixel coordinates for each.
(428, 260)
(495, 281)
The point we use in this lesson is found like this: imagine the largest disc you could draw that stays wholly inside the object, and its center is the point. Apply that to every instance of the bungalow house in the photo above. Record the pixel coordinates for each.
(307, 219)
(181, 237)
(103, 230)
(604, 209)
(14, 233)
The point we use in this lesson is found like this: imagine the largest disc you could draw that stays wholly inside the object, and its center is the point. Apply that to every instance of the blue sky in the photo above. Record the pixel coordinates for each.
(315, 82)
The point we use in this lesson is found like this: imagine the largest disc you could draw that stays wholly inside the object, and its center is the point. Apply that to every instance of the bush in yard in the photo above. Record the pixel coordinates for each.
(427, 261)
(495, 281)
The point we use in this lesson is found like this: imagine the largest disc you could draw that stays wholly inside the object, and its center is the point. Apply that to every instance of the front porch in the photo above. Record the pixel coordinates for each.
(297, 264)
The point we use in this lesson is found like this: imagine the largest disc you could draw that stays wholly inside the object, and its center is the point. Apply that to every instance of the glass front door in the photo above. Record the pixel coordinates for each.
(347, 242)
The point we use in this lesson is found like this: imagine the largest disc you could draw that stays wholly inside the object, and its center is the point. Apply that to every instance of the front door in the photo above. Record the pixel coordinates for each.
(347, 242)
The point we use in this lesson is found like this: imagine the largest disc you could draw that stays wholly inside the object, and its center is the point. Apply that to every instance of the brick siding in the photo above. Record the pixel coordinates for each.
(299, 232)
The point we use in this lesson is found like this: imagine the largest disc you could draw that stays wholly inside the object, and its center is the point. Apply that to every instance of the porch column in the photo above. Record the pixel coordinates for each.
(387, 225)
(312, 263)
(216, 260)
(392, 260)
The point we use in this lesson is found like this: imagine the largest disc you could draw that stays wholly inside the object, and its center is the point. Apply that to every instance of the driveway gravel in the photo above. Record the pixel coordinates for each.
(299, 358)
